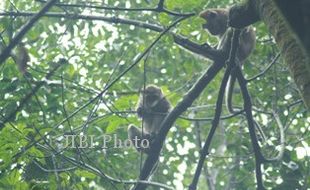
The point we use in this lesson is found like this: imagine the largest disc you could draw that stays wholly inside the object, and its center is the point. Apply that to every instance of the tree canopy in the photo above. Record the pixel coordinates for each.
(71, 73)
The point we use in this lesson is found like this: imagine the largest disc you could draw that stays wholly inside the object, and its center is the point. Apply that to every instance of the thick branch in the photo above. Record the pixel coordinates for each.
(187, 101)
(293, 51)
(242, 15)
(259, 159)
(218, 110)
(297, 15)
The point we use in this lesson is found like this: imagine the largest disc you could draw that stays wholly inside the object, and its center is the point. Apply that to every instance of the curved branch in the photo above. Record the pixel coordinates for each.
(204, 50)
(266, 69)
(282, 139)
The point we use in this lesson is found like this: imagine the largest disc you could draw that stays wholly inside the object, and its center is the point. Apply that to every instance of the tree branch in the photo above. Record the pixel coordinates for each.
(187, 101)
(160, 8)
(205, 150)
(28, 96)
(7, 51)
(204, 50)
(244, 14)
(259, 159)
(266, 69)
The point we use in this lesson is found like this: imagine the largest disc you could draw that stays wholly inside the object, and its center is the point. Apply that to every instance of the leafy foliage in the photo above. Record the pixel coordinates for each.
(97, 53)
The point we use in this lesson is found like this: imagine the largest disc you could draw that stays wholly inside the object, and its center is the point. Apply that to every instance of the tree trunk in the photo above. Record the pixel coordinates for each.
(293, 49)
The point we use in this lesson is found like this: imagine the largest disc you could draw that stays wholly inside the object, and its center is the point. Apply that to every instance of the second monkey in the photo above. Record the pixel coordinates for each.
(152, 108)
(217, 25)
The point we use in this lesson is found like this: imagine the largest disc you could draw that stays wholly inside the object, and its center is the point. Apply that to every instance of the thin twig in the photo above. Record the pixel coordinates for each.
(266, 69)
(160, 8)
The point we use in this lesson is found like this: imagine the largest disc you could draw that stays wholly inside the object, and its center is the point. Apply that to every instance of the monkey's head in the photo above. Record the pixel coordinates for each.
(152, 94)
(216, 21)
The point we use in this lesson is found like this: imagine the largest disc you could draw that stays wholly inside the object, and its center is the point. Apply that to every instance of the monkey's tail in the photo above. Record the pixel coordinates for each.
(229, 93)
(228, 99)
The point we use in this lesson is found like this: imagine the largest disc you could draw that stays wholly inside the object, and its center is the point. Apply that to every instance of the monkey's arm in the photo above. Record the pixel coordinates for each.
(204, 49)
(162, 106)
(140, 111)
(225, 43)
(144, 112)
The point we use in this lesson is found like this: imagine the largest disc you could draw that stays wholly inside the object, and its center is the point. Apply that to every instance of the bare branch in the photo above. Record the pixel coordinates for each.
(160, 8)
(266, 69)
(282, 139)
(259, 159)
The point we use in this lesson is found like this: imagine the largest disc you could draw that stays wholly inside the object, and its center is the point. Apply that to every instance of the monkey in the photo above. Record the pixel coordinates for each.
(21, 57)
(217, 25)
(152, 108)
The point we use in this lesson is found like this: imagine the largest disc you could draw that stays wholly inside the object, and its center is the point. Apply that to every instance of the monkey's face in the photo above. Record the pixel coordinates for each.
(152, 94)
(216, 21)
(151, 98)
(209, 16)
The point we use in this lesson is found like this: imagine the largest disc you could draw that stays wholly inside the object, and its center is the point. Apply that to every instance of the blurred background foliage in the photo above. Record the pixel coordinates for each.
(97, 52)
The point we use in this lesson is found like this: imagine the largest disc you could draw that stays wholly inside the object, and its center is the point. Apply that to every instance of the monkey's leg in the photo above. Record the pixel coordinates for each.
(140, 141)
